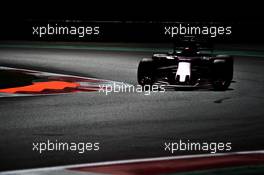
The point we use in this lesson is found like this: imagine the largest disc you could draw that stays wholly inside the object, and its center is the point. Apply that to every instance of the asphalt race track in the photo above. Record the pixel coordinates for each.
(127, 125)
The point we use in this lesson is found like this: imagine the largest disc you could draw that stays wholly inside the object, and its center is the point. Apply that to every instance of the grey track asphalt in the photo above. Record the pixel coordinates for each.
(127, 125)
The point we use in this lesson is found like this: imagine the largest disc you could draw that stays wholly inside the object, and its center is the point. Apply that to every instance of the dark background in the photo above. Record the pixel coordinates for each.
(131, 21)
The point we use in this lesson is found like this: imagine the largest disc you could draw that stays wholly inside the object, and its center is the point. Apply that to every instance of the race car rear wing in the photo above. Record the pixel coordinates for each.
(200, 44)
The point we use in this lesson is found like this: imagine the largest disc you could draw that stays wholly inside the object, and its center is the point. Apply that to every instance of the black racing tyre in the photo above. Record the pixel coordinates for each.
(145, 73)
(222, 72)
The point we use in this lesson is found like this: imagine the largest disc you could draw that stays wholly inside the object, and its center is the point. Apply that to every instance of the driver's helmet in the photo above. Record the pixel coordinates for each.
(190, 50)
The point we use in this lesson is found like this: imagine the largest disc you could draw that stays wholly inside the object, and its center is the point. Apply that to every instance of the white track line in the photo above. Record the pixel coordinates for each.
(129, 161)
(51, 74)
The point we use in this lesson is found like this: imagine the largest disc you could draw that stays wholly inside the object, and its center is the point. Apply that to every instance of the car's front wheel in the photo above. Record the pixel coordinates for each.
(145, 75)
(222, 72)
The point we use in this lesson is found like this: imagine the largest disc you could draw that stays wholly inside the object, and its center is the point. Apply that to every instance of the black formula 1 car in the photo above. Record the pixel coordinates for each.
(189, 65)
